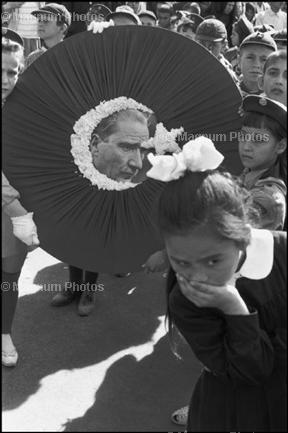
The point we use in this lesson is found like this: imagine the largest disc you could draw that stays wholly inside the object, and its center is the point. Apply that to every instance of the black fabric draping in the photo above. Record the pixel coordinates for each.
(97, 230)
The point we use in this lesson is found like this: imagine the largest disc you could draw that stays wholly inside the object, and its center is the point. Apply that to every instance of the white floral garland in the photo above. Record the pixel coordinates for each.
(163, 141)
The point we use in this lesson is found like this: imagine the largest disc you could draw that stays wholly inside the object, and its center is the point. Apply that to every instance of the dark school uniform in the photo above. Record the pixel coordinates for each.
(245, 91)
(242, 386)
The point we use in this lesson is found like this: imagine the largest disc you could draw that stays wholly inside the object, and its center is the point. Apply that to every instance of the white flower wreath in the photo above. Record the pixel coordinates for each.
(163, 141)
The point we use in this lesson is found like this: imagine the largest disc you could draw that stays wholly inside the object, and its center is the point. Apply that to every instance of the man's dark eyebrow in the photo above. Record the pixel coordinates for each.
(124, 143)
(177, 259)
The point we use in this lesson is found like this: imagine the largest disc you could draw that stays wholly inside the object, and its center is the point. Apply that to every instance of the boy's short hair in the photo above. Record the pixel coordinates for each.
(275, 57)
(261, 39)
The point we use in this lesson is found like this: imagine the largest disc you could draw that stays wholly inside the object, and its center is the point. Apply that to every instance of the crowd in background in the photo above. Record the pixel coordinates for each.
(219, 26)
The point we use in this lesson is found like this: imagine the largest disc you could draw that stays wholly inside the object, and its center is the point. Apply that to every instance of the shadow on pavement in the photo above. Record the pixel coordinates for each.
(127, 394)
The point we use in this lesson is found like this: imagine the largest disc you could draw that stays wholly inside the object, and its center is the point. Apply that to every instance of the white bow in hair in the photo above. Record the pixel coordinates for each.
(197, 155)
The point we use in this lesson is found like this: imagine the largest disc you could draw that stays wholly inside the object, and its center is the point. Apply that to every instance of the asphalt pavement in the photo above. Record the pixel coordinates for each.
(111, 371)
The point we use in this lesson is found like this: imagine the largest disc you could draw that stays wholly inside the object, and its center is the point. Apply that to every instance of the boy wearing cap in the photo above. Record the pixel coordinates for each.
(240, 30)
(254, 51)
(124, 15)
(274, 79)
(164, 14)
(53, 23)
(212, 34)
(262, 149)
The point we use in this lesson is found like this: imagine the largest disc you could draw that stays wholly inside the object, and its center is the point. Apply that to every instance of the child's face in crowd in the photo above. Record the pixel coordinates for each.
(48, 28)
(164, 19)
(10, 72)
(274, 81)
(258, 148)
(203, 256)
(252, 60)
(147, 21)
(229, 8)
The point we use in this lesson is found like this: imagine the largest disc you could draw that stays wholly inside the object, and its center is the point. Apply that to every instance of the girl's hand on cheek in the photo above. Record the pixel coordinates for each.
(225, 298)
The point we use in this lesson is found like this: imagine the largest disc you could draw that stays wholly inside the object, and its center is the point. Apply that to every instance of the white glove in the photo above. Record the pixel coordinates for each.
(98, 27)
(25, 229)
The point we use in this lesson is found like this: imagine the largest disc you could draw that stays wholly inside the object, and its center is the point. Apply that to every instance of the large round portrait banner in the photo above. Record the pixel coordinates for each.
(80, 122)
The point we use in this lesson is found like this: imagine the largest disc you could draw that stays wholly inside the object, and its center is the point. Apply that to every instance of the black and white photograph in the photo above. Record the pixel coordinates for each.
(144, 216)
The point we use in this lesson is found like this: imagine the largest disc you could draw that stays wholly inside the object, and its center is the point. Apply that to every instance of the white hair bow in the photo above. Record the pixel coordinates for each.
(98, 27)
(197, 155)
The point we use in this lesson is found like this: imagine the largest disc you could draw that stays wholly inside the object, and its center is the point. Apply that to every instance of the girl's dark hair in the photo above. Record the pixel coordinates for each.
(258, 120)
(205, 198)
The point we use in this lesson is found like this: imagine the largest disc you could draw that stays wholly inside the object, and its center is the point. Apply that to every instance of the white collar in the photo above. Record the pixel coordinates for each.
(259, 255)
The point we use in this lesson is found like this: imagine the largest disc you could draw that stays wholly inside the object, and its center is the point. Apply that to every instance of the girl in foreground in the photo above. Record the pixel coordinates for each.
(226, 293)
